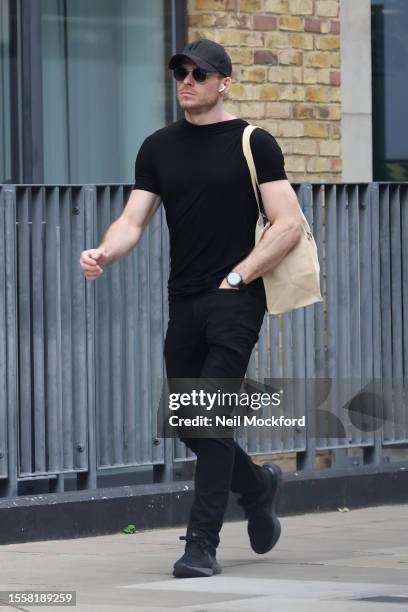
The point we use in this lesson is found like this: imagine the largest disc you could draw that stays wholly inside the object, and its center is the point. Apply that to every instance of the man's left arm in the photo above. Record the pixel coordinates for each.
(282, 209)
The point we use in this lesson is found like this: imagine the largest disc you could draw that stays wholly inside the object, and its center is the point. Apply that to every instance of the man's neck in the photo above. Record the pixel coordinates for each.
(205, 118)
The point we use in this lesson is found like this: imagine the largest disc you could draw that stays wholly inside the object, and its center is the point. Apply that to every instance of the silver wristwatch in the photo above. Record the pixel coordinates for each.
(234, 279)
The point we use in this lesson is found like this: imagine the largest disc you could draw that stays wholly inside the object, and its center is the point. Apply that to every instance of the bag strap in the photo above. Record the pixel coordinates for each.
(251, 165)
(250, 161)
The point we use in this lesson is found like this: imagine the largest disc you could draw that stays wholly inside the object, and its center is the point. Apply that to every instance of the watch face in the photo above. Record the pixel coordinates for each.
(234, 278)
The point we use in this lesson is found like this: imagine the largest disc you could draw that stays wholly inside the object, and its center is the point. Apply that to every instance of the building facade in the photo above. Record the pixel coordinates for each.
(83, 82)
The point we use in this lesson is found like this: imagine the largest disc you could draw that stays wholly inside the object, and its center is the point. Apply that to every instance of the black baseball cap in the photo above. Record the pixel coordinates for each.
(207, 54)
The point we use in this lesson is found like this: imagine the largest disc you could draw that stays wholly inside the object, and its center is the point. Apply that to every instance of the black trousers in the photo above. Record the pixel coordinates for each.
(211, 335)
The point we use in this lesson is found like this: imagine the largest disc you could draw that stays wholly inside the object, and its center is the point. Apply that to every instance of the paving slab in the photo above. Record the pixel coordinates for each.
(356, 560)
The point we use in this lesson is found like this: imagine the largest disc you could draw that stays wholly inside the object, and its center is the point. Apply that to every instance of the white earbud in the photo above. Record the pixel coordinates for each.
(222, 88)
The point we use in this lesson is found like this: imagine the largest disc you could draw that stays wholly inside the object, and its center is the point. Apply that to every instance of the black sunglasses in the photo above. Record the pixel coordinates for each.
(199, 74)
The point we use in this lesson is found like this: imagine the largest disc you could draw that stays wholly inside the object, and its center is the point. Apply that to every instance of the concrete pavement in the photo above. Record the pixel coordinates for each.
(348, 561)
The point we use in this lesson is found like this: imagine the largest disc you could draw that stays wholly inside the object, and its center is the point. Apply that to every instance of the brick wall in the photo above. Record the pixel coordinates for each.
(286, 74)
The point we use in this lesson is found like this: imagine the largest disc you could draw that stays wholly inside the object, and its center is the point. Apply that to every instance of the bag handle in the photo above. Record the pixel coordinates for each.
(254, 178)
(250, 161)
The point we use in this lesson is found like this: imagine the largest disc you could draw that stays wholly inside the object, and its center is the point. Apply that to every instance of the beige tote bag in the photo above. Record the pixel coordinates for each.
(295, 281)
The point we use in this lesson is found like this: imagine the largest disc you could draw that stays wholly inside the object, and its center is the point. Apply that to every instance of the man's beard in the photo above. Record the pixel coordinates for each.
(205, 106)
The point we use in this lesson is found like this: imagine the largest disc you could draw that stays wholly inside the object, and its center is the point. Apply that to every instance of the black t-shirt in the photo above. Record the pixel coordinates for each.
(202, 176)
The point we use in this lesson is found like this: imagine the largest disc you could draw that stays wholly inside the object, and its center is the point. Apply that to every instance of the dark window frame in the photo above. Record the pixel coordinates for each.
(14, 93)
(383, 169)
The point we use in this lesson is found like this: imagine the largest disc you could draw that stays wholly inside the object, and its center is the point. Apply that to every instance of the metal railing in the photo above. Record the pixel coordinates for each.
(80, 361)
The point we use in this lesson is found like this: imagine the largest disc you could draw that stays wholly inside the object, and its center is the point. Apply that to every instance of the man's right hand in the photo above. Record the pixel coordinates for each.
(92, 262)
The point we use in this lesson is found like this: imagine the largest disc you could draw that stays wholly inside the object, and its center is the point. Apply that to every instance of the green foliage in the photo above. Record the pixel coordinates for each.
(130, 529)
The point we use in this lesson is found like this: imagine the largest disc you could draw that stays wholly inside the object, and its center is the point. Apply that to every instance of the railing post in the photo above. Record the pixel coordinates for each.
(305, 460)
(165, 472)
(11, 487)
(88, 480)
(373, 454)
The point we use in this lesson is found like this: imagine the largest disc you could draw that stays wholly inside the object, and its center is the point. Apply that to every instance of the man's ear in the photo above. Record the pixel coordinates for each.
(226, 82)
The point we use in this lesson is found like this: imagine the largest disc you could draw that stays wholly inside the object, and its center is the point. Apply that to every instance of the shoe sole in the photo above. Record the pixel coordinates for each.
(187, 571)
(277, 473)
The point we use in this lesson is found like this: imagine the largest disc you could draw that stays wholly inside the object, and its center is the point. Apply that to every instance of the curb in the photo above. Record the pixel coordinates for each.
(106, 511)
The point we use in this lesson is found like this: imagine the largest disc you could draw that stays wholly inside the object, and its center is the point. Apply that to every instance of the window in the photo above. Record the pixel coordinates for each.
(390, 89)
(94, 83)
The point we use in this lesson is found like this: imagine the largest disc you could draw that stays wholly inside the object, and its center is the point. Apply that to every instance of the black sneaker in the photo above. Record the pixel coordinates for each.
(264, 528)
(198, 559)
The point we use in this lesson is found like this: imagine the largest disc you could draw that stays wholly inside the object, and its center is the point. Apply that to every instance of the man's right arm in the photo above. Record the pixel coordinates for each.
(123, 234)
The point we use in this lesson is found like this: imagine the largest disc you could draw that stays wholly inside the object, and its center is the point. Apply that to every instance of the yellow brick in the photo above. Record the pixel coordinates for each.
(252, 110)
(234, 38)
(327, 8)
(305, 147)
(202, 20)
(210, 5)
(335, 131)
(334, 60)
(298, 177)
(334, 94)
(268, 125)
(286, 145)
(239, 20)
(327, 43)
(318, 164)
(295, 163)
(241, 55)
(290, 57)
(251, 39)
(255, 74)
(230, 38)
(241, 92)
(280, 74)
(297, 75)
(267, 91)
(276, 6)
(291, 92)
(309, 75)
(328, 148)
(237, 113)
(232, 106)
(323, 76)
(336, 164)
(290, 129)
(316, 130)
(291, 23)
(301, 7)
(316, 60)
(277, 110)
(303, 111)
(277, 40)
(335, 113)
(195, 33)
(302, 41)
(206, 20)
(316, 94)
(250, 6)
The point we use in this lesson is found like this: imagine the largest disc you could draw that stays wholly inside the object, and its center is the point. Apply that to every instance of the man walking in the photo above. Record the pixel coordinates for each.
(196, 167)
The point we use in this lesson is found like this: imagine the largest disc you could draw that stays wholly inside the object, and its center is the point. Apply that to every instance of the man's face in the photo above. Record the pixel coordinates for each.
(198, 96)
